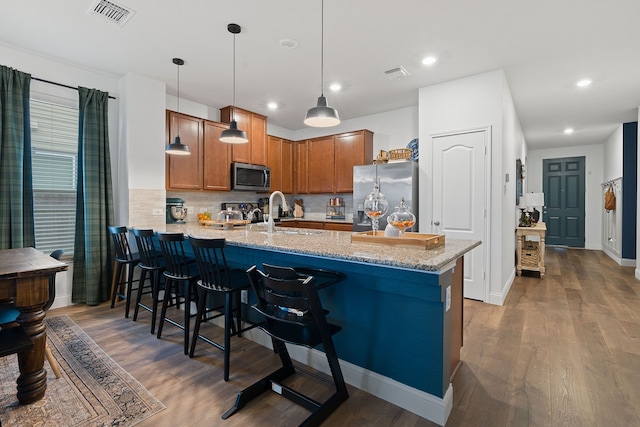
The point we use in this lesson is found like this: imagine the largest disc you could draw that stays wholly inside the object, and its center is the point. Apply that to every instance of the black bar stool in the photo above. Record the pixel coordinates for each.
(122, 287)
(151, 263)
(218, 280)
(180, 274)
(293, 314)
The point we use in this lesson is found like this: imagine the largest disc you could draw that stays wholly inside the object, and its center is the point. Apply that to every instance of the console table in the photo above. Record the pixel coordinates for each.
(24, 278)
(530, 253)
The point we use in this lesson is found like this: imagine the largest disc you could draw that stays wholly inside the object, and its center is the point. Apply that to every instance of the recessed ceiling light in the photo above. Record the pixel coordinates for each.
(288, 43)
(272, 105)
(335, 87)
(568, 131)
(583, 83)
(429, 60)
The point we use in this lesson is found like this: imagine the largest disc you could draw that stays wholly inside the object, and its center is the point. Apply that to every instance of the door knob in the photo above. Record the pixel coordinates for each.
(436, 223)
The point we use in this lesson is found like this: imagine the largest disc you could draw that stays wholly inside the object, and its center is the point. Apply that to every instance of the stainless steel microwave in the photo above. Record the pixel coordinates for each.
(250, 177)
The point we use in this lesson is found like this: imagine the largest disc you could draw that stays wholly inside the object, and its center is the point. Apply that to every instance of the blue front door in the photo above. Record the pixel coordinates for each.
(563, 182)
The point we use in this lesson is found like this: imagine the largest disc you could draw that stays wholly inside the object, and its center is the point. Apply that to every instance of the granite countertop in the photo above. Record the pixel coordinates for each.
(332, 244)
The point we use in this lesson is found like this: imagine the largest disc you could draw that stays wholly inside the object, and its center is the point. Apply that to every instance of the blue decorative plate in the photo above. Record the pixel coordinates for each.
(413, 145)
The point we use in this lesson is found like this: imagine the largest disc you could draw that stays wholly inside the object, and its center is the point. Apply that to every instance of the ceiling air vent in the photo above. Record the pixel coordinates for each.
(397, 73)
(113, 12)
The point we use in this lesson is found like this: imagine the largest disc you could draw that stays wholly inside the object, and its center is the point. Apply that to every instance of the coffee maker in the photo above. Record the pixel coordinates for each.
(176, 212)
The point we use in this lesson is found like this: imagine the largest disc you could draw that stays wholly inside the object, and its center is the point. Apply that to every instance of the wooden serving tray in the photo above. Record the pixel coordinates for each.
(227, 225)
(425, 241)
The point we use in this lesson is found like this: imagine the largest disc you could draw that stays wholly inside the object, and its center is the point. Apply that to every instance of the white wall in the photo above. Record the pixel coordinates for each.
(394, 129)
(612, 160)
(476, 102)
(593, 178)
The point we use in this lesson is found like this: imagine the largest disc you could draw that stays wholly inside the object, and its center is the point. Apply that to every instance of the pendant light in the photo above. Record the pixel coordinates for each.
(233, 135)
(177, 147)
(322, 115)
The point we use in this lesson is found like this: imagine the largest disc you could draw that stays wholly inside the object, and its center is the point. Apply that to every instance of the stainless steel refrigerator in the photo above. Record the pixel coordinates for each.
(397, 180)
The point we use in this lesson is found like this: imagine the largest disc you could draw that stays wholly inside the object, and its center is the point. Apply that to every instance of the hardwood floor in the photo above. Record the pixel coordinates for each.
(564, 350)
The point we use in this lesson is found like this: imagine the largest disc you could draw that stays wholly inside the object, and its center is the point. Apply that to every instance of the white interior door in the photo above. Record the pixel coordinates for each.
(459, 199)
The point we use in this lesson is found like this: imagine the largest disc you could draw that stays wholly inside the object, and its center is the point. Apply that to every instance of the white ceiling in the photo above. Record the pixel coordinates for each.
(544, 47)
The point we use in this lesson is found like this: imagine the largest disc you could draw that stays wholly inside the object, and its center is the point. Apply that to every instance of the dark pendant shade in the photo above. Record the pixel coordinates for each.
(322, 115)
(233, 135)
(177, 148)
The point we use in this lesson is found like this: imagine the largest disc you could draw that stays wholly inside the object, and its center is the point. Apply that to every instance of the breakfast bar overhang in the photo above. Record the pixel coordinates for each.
(393, 305)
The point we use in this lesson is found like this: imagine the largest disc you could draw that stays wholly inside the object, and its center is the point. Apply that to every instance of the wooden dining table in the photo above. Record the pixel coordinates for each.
(24, 278)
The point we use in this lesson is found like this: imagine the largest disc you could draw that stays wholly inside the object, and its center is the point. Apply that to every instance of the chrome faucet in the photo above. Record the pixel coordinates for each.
(270, 224)
(250, 215)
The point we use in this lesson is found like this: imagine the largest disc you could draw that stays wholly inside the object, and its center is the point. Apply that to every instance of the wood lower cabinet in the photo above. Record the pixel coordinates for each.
(217, 158)
(318, 225)
(280, 160)
(184, 172)
(255, 125)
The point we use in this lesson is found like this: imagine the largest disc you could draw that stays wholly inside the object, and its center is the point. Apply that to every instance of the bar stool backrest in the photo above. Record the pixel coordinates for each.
(174, 255)
(212, 264)
(150, 256)
(121, 243)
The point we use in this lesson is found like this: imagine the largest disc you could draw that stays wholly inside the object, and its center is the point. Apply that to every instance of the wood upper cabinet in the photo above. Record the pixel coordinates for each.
(280, 160)
(321, 164)
(258, 140)
(217, 158)
(327, 164)
(184, 172)
(351, 149)
(255, 126)
(301, 169)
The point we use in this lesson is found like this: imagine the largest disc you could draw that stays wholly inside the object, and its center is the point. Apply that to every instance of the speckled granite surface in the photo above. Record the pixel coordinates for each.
(332, 244)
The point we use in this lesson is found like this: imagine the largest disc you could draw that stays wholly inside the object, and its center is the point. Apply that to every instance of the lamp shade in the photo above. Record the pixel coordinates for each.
(233, 135)
(524, 201)
(177, 148)
(322, 115)
(535, 199)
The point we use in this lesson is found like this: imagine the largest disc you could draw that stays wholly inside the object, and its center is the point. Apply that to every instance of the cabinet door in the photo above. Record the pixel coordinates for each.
(321, 165)
(258, 140)
(338, 226)
(241, 152)
(286, 162)
(217, 158)
(274, 157)
(184, 172)
(352, 149)
(301, 170)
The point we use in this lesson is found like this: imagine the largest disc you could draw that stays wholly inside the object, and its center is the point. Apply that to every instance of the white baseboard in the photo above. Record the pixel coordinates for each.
(423, 404)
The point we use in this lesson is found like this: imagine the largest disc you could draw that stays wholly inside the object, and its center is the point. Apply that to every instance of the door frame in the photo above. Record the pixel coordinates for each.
(487, 130)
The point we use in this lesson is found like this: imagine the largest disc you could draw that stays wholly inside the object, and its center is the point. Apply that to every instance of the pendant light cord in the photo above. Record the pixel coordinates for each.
(322, 48)
(233, 105)
(178, 88)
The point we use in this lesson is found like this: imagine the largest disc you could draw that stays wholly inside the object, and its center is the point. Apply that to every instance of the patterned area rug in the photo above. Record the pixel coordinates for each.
(93, 390)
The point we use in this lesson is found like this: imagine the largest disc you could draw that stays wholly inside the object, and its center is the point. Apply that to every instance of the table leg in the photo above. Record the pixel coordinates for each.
(541, 265)
(32, 382)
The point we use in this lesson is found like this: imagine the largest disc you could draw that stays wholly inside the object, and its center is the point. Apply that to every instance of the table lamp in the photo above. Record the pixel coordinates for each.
(524, 204)
(535, 200)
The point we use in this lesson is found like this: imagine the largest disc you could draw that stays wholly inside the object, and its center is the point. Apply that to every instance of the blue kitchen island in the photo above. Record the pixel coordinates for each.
(394, 306)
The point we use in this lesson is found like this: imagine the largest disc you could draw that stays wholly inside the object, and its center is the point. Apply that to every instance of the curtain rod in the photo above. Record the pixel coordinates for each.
(60, 84)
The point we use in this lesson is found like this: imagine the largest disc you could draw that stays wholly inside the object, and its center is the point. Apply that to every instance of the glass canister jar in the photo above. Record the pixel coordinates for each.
(375, 206)
(402, 218)
(229, 215)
